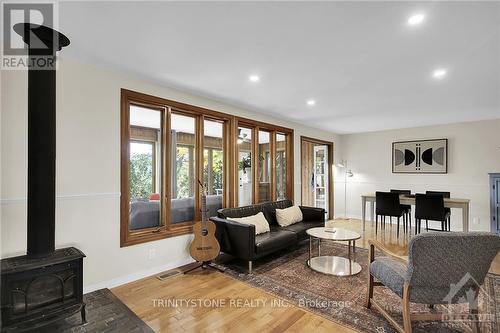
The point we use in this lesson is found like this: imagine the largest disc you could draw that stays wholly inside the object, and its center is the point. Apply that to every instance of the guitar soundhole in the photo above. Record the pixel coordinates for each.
(204, 232)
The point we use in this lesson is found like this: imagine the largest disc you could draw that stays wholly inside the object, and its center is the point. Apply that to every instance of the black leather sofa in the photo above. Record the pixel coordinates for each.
(240, 241)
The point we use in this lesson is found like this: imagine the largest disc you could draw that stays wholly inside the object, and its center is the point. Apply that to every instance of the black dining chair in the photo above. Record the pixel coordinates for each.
(429, 207)
(446, 209)
(387, 204)
(406, 208)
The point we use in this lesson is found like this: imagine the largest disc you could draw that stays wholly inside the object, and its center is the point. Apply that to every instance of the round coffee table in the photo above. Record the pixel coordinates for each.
(333, 265)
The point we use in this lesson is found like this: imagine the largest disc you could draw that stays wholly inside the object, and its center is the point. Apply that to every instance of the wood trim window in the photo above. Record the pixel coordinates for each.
(176, 145)
(256, 153)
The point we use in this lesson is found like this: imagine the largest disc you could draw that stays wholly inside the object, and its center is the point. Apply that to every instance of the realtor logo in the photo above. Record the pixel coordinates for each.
(467, 291)
(14, 49)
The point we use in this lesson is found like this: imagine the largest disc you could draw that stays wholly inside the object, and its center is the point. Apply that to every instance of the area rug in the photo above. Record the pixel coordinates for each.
(105, 313)
(342, 299)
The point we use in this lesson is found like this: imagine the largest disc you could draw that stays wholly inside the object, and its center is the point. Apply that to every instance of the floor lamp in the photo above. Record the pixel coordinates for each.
(347, 173)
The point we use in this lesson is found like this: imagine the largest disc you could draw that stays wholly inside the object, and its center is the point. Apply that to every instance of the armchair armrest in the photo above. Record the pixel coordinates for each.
(374, 244)
(312, 214)
(235, 238)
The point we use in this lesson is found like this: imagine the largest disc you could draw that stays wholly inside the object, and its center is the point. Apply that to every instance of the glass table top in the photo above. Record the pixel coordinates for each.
(336, 234)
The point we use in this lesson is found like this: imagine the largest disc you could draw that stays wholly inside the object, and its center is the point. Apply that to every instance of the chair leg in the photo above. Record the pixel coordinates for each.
(409, 219)
(409, 222)
(369, 294)
(397, 233)
(250, 267)
(404, 223)
(376, 224)
(426, 225)
(406, 309)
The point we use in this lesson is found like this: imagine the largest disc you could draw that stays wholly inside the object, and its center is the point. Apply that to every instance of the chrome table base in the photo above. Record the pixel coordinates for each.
(332, 265)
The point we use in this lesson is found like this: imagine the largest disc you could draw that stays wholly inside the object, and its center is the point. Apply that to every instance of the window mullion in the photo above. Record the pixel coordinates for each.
(272, 159)
(167, 161)
(199, 144)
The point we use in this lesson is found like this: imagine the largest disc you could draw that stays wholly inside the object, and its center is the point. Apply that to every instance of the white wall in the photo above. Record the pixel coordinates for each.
(88, 170)
(474, 151)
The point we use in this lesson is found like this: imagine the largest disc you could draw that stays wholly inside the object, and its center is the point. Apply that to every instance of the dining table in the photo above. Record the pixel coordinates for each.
(406, 199)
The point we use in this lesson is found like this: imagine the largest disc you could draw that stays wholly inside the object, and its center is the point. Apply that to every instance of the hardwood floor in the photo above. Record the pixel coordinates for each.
(265, 314)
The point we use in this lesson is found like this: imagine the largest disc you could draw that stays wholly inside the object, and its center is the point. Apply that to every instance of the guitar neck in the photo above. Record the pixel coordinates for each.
(204, 207)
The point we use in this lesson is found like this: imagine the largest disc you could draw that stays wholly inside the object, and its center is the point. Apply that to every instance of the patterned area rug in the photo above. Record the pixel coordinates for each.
(105, 313)
(341, 299)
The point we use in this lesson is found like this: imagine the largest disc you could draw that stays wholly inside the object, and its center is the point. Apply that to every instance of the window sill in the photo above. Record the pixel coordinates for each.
(148, 236)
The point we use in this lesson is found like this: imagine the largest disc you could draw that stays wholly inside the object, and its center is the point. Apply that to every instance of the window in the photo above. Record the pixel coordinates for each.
(184, 184)
(142, 128)
(264, 166)
(281, 168)
(168, 148)
(244, 168)
(263, 153)
(213, 164)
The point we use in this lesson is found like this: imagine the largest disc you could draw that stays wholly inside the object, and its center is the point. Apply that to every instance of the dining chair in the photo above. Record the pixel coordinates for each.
(406, 208)
(429, 207)
(387, 204)
(441, 268)
(447, 210)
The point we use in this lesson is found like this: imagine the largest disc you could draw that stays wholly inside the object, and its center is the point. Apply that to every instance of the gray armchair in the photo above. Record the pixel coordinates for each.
(441, 268)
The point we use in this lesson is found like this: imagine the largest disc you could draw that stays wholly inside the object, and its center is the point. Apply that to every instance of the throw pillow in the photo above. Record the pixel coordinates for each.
(258, 220)
(288, 216)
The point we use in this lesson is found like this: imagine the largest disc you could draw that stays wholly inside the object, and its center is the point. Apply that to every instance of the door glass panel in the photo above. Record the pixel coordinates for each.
(320, 177)
(281, 166)
(144, 169)
(264, 167)
(245, 176)
(183, 168)
(213, 164)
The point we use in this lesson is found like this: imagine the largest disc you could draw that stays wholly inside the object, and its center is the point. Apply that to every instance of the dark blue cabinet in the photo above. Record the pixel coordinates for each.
(495, 201)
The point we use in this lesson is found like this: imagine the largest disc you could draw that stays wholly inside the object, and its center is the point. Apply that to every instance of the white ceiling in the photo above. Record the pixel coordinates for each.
(364, 66)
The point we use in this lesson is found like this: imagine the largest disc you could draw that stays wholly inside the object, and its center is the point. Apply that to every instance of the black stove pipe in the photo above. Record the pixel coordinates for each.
(41, 135)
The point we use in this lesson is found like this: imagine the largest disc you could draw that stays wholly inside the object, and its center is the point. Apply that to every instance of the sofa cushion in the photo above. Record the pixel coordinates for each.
(258, 220)
(269, 209)
(301, 227)
(274, 240)
(288, 216)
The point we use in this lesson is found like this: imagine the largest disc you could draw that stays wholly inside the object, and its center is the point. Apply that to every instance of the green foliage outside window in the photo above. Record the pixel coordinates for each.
(216, 171)
(182, 171)
(141, 175)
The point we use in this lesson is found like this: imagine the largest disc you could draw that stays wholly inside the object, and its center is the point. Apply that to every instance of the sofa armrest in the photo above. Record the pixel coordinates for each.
(312, 214)
(236, 239)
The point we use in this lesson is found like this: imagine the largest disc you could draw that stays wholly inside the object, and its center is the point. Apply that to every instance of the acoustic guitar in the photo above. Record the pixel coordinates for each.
(204, 247)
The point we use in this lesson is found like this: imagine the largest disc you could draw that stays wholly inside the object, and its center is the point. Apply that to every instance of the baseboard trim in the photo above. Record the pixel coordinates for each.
(136, 276)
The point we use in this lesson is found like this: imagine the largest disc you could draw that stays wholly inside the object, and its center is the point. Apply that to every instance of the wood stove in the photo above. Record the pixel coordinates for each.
(45, 284)
(38, 291)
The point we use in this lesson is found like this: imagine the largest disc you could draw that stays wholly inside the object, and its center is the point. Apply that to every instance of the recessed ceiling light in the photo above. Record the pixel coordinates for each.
(416, 19)
(439, 73)
(311, 102)
(254, 78)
